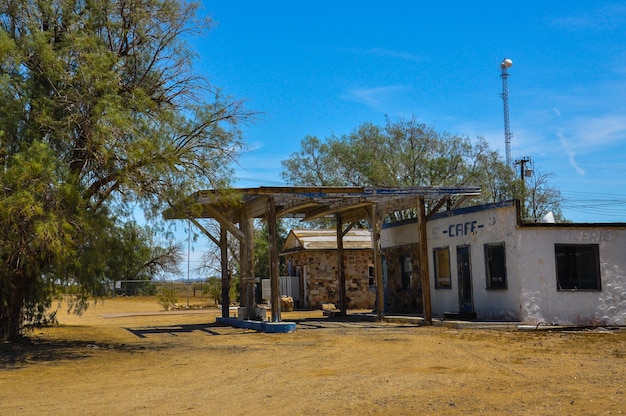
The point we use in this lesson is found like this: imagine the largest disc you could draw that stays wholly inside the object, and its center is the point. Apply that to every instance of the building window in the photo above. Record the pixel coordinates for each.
(577, 266)
(441, 256)
(407, 272)
(372, 280)
(495, 265)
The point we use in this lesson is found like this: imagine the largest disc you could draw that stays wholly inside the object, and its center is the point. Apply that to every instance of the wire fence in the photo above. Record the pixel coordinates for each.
(195, 289)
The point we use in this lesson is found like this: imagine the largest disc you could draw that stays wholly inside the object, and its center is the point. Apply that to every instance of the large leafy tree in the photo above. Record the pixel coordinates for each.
(100, 111)
(409, 153)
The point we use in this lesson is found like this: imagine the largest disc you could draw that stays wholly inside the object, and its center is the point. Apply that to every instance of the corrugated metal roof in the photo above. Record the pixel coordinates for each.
(326, 240)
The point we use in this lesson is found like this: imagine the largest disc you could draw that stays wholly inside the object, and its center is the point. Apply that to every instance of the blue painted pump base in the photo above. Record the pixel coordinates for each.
(261, 326)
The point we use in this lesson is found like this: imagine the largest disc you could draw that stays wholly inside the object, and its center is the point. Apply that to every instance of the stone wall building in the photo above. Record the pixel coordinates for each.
(311, 256)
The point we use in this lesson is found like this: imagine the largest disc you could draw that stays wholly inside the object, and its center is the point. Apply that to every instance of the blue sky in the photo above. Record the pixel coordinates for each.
(324, 67)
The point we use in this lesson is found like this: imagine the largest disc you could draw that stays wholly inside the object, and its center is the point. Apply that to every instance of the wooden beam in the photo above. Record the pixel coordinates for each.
(423, 256)
(439, 204)
(225, 272)
(461, 201)
(390, 205)
(296, 207)
(334, 209)
(320, 212)
(273, 257)
(348, 228)
(376, 221)
(355, 215)
(341, 268)
(431, 192)
(225, 222)
(205, 231)
(256, 207)
(246, 265)
(303, 191)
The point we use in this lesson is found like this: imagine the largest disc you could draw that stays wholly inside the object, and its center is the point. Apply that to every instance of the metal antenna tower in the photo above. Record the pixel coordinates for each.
(506, 64)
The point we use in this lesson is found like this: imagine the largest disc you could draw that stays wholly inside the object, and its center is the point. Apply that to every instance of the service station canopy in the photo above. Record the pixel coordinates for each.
(310, 203)
(346, 204)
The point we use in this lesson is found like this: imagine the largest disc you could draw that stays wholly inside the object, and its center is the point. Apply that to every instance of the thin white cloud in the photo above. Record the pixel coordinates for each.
(594, 132)
(376, 99)
(571, 154)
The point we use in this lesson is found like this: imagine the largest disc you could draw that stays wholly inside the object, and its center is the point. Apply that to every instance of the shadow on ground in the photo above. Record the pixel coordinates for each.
(33, 350)
(350, 321)
(29, 351)
(175, 330)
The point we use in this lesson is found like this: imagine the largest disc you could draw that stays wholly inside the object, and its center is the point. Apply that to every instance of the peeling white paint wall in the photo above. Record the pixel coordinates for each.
(543, 303)
(531, 295)
(475, 229)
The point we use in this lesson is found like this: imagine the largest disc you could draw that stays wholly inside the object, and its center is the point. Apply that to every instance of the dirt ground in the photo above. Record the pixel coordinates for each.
(125, 357)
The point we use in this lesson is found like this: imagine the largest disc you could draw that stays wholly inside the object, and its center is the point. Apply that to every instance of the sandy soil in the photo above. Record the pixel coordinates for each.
(122, 358)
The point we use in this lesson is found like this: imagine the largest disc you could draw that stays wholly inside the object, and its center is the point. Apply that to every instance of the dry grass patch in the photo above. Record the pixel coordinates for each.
(173, 363)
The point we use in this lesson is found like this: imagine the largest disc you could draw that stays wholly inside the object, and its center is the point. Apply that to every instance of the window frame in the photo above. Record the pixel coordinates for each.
(438, 278)
(407, 272)
(489, 270)
(594, 250)
(371, 276)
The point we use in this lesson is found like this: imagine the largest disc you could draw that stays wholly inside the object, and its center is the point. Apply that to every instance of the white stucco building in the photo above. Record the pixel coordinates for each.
(483, 260)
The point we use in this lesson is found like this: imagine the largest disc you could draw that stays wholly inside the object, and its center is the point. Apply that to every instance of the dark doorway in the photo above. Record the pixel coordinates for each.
(466, 303)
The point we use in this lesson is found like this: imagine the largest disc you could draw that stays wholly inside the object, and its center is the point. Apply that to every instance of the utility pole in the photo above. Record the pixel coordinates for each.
(504, 66)
(524, 173)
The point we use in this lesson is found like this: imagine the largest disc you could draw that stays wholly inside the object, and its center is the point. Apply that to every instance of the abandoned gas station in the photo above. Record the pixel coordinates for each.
(236, 209)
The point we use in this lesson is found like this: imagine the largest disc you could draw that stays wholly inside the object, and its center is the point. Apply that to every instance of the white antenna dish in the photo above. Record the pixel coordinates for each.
(506, 63)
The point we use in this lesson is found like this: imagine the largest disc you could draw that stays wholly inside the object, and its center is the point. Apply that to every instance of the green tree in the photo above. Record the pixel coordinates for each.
(262, 251)
(100, 111)
(37, 239)
(132, 253)
(213, 289)
(540, 197)
(314, 165)
(406, 153)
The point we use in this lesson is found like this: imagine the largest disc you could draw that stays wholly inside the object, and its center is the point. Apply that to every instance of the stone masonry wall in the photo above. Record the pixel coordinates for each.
(403, 300)
(323, 277)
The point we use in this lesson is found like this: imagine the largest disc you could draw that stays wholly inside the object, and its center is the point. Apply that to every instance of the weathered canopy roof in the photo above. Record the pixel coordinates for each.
(348, 204)
(308, 203)
(354, 239)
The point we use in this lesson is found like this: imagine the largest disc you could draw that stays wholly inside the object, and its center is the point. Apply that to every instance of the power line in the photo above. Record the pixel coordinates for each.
(595, 203)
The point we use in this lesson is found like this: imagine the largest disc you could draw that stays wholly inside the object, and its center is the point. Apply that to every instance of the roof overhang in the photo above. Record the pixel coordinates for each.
(309, 203)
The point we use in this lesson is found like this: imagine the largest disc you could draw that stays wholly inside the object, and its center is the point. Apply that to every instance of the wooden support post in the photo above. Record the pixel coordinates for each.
(225, 273)
(376, 222)
(246, 265)
(222, 243)
(341, 268)
(423, 256)
(273, 258)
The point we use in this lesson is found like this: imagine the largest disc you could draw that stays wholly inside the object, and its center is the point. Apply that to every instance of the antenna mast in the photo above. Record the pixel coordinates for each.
(506, 64)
